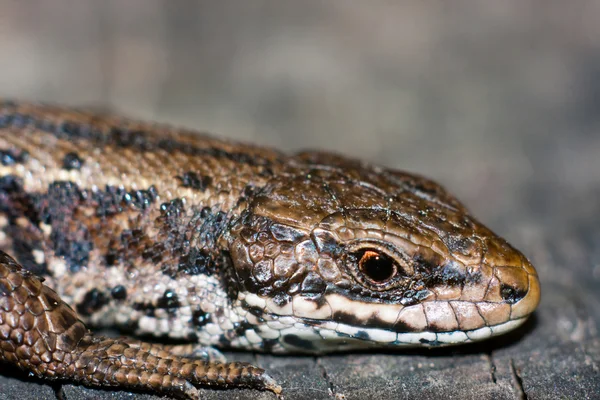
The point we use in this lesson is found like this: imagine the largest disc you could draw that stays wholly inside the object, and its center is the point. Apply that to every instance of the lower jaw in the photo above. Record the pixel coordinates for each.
(331, 337)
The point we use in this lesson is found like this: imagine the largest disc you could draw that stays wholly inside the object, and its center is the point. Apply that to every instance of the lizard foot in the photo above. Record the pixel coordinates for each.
(42, 335)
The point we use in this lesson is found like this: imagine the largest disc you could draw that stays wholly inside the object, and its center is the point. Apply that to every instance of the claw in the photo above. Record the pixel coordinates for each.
(271, 385)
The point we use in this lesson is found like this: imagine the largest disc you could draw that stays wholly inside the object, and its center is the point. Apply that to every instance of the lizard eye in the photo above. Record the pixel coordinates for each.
(376, 266)
(376, 269)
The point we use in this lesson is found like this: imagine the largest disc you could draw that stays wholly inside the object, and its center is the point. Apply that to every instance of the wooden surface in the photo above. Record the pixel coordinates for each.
(496, 100)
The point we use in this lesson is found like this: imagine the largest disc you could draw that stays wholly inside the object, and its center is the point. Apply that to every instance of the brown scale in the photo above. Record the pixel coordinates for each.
(84, 195)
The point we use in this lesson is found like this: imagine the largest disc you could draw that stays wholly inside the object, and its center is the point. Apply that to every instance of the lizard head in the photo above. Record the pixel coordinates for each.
(339, 254)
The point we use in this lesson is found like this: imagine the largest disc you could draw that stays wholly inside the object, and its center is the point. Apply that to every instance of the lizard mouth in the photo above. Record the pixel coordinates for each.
(337, 323)
(332, 337)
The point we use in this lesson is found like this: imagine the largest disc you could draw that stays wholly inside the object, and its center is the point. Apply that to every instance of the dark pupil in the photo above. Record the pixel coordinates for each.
(376, 266)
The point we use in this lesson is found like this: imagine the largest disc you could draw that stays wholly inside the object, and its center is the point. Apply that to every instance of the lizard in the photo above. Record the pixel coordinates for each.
(167, 232)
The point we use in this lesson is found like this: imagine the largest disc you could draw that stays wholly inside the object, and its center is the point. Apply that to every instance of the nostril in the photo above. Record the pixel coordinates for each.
(511, 294)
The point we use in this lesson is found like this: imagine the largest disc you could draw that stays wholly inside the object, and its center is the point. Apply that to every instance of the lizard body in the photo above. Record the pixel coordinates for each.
(161, 231)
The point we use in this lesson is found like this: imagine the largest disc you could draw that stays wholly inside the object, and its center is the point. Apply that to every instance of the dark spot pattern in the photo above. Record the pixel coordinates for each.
(16, 120)
(110, 201)
(70, 238)
(119, 292)
(269, 344)
(75, 252)
(196, 262)
(22, 249)
(92, 301)
(284, 233)
(257, 312)
(445, 274)
(59, 201)
(281, 299)
(146, 307)
(15, 203)
(141, 198)
(129, 138)
(192, 180)
(10, 184)
(11, 194)
(200, 318)
(364, 335)
(458, 244)
(424, 266)
(401, 327)
(313, 284)
(411, 297)
(169, 300)
(429, 342)
(173, 209)
(10, 157)
(349, 318)
(205, 228)
(326, 243)
(510, 294)
(71, 161)
(114, 200)
(60, 208)
(298, 342)
(224, 341)
(240, 328)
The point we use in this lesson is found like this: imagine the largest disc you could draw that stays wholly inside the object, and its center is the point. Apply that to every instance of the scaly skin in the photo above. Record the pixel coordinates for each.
(154, 230)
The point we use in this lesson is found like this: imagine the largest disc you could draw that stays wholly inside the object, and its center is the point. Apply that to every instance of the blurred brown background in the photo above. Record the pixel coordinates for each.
(498, 100)
(418, 85)
(476, 94)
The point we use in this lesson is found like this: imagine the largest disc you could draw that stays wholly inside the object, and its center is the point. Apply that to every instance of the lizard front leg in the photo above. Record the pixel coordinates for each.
(42, 335)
